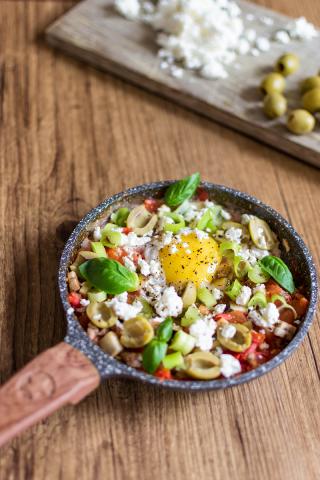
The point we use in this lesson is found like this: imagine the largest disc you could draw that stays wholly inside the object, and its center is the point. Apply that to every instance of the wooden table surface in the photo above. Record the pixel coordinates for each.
(70, 136)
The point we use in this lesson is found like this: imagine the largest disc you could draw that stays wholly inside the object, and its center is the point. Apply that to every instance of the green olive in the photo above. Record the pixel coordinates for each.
(310, 83)
(101, 315)
(221, 283)
(202, 365)
(261, 234)
(273, 83)
(311, 100)
(239, 342)
(189, 295)
(136, 333)
(110, 344)
(287, 64)
(274, 105)
(141, 220)
(300, 121)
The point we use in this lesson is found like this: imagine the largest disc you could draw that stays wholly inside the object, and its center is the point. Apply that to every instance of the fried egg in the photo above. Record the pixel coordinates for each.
(192, 259)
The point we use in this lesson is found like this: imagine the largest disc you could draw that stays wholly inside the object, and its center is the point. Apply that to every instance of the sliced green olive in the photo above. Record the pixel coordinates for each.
(189, 295)
(137, 332)
(101, 315)
(202, 365)
(82, 256)
(239, 342)
(225, 268)
(261, 234)
(141, 220)
(110, 344)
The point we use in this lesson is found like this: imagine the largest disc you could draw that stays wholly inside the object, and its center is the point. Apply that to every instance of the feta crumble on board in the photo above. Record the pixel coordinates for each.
(206, 36)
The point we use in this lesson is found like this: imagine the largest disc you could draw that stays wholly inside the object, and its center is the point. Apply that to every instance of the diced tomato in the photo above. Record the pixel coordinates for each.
(116, 254)
(300, 304)
(126, 230)
(74, 299)
(132, 296)
(257, 337)
(163, 373)
(202, 194)
(242, 357)
(273, 288)
(233, 317)
(152, 204)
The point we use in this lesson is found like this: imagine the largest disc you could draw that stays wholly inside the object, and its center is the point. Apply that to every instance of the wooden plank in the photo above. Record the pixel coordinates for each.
(70, 136)
(95, 33)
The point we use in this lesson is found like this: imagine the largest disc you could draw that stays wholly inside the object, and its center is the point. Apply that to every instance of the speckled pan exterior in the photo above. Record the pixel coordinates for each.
(297, 257)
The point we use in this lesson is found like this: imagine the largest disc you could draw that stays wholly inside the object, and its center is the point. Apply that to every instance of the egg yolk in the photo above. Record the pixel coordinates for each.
(191, 260)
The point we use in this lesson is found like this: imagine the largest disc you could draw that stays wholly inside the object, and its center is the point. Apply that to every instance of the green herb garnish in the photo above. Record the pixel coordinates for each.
(156, 350)
(109, 276)
(279, 271)
(182, 190)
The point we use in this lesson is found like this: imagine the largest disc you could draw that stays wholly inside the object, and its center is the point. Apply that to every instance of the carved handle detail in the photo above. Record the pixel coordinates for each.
(58, 376)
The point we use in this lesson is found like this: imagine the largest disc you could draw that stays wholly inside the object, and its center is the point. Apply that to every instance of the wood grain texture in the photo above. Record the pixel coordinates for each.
(59, 376)
(69, 137)
(94, 32)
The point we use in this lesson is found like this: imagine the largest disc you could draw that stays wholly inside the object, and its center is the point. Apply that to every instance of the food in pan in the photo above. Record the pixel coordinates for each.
(184, 288)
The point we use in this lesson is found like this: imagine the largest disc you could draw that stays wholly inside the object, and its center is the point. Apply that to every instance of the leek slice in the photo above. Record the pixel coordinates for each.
(256, 275)
(234, 290)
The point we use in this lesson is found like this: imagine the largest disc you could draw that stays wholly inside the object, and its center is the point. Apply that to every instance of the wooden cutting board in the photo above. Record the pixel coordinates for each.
(95, 33)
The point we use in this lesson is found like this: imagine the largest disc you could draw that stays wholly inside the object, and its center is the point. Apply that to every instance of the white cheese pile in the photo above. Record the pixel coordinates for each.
(206, 35)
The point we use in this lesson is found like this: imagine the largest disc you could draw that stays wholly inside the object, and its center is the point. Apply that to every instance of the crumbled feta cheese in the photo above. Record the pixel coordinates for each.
(162, 210)
(128, 263)
(173, 249)
(282, 36)
(185, 245)
(301, 29)
(144, 267)
(261, 238)
(202, 331)
(201, 235)
(169, 304)
(259, 288)
(166, 238)
(263, 44)
(204, 36)
(213, 70)
(155, 268)
(255, 52)
(226, 215)
(244, 296)
(228, 330)
(212, 268)
(70, 311)
(220, 308)
(122, 309)
(250, 35)
(132, 240)
(266, 318)
(128, 8)
(96, 317)
(245, 218)
(234, 234)
(97, 234)
(229, 365)
(84, 302)
(267, 21)
(243, 46)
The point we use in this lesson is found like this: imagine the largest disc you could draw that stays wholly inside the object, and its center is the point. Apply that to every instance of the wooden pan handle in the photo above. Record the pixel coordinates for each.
(58, 376)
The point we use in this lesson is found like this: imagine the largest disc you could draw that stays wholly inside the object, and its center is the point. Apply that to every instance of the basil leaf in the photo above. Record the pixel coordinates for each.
(120, 217)
(164, 331)
(109, 276)
(279, 271)
(180, 191)
(153, 354)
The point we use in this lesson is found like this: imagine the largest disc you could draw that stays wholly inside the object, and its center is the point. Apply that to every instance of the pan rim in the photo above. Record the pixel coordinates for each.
(109, 367)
